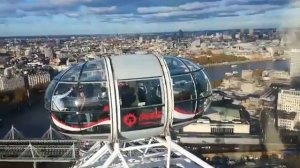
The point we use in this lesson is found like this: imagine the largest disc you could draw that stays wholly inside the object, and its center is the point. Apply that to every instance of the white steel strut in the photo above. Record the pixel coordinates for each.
(153, 152)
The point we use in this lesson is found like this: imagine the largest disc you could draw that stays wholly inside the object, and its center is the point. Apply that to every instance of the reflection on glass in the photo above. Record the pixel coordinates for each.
(175, 66)
(183, 87)
(85, 123)
(92, 97)
(94, 71)
(62, 96)
(72, 75)
(79, 99)
(141, 104)
(202, 84)
(190, 87)
(184, 95)
(185, 107)
(48, 94)
(140, 93)
(191, 65)
(58, 76)
(86, 97)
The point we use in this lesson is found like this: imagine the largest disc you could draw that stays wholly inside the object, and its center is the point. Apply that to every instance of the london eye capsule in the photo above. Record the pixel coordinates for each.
(127, 97)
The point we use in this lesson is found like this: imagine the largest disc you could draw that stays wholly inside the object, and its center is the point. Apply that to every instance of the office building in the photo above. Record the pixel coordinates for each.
(48, 52)
(141, 39)
(220, 120)
(12, 83)
(289, 101)
(28, 52)
(38, 79)
(287, 120)
(295, 63)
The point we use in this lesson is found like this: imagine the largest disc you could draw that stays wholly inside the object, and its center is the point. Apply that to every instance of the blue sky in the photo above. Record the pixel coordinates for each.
(56, 17)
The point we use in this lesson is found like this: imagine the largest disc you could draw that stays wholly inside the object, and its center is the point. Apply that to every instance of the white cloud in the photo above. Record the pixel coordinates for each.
(213, 9)
(198, 5)
(100, 10)
(159, 9)
(65, 2)
(72, 14)
(184, 7)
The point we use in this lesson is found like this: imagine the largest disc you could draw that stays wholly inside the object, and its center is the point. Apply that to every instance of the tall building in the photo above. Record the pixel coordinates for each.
(251, 32)
(48, 52)
(28, 52)
(57, 41)
(141, 39)
(287, 120)
(38, 79)
(12, 83)
(295, 63)
(180, 34)
(289, 101)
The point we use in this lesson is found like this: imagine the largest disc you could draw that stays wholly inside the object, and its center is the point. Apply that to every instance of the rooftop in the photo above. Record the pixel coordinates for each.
(223, 114)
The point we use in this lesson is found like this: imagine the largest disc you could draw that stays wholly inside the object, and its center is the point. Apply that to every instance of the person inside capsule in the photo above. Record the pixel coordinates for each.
(141, 99)
(57, 99)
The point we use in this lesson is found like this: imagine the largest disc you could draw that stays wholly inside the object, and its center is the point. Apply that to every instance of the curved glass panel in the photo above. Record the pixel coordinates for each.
(141, 104)
(80, 99)
(92, 122)
(183, 87)
(85, 97)
(92, 97)
(175, 66)
(94, 71)
(72, 75)
(184, 98)
(140, 93)
(202, 84)
(191, 65)
(49, 93)
(63, 97)
(59, 75)
(82, 123)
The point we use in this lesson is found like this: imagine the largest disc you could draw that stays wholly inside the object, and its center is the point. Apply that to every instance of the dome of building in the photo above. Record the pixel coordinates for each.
(127, 97)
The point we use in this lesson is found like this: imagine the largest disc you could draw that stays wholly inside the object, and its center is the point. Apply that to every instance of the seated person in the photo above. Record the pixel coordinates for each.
(57, 102)
(127, 96)
(142, 92)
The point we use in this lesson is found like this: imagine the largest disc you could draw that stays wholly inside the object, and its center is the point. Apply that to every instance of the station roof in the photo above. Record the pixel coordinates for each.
(223, 114)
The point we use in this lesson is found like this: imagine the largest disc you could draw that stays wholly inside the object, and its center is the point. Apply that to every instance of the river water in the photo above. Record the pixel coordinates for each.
(218, 72)
(35, 121)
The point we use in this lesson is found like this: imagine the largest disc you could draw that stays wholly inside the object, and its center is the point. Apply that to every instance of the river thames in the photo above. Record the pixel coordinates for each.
(218, 72)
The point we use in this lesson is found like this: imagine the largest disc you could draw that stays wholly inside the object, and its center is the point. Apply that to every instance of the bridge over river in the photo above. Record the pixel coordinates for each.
(51, 147)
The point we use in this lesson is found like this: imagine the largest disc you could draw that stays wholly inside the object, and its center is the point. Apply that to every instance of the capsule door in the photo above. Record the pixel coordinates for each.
(140, 93)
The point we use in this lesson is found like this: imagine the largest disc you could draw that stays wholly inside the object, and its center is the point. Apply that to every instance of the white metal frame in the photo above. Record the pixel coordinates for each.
(106, 155)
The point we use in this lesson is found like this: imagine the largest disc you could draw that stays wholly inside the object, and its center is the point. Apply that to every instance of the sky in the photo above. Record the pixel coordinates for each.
(63, 17)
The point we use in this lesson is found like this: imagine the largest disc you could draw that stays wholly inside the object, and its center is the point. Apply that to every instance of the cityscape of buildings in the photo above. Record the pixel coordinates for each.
(246, 102)
(56, 113)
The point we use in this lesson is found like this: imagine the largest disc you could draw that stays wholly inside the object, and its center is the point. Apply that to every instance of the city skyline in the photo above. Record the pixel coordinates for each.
(62, 17)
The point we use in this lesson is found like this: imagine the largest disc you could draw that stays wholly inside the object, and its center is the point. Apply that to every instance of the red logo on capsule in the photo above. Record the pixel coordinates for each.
(129, 120)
